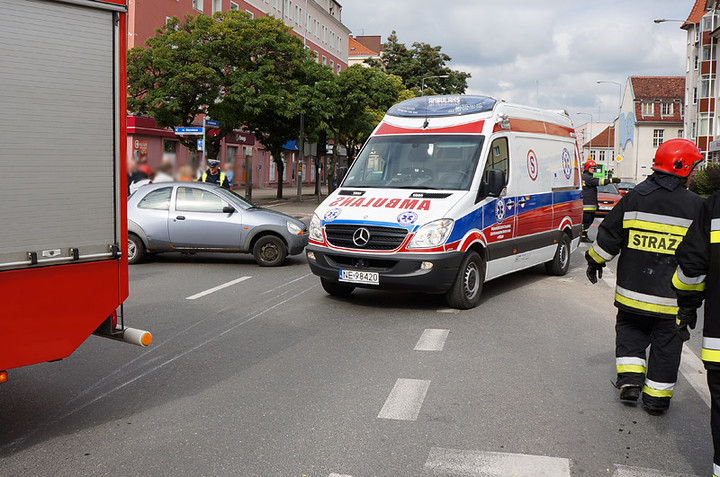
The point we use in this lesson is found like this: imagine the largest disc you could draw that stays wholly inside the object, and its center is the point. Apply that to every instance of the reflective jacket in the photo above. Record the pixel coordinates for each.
(646, 225)
(589, 193)
(219, 178)
(698, 275)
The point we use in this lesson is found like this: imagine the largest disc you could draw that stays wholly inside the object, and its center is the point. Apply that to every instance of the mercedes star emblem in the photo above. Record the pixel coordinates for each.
(361, 237)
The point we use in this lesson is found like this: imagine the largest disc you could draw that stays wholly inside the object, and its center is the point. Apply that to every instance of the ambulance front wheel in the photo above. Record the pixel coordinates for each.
(465, 292)
(560, 263)
(335, 288)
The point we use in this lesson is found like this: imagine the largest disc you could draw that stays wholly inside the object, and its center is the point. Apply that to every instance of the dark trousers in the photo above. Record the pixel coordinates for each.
(588, 217)
(634, 333)
(713, 379)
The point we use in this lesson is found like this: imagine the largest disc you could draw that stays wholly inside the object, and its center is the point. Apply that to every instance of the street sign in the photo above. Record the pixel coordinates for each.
(212, 124)
(619, 158)
(188, 131)
(201, 145)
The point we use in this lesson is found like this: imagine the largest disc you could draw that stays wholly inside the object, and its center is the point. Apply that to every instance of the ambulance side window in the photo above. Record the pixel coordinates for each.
(498, 158)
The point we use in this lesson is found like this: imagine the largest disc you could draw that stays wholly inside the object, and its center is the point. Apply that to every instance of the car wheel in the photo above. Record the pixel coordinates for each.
(269, 251)
(136, 249)
(560, 264)
(335, 288)
(465, 292)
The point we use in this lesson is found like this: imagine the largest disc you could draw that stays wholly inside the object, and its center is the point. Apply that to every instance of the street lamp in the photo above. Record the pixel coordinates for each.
(591, 121)
(664, 20)
(422, 83)
(620, 88)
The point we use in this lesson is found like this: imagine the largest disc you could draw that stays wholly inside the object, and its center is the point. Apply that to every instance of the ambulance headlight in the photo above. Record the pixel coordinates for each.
(316, 229)
(432, 234)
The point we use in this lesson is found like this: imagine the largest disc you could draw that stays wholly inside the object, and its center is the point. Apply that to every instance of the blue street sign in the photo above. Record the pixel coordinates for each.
(212, 124)
(188, 131)
(201, 145)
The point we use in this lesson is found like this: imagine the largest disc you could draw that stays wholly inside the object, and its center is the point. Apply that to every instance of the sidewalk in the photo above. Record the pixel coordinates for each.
(303, 209)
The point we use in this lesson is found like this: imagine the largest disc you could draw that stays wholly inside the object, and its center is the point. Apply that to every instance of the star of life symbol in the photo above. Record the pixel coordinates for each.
(407, 218)
(332, 214)
(500, 210)
(567, 166)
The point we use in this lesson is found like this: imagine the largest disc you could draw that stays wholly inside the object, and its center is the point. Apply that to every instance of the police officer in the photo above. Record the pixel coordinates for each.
(590, 185)
(645, 228)
(697, 278)
(214, 175)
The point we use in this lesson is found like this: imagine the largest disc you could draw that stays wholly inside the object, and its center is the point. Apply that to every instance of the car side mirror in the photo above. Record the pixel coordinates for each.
(492, 185)
(228, 209)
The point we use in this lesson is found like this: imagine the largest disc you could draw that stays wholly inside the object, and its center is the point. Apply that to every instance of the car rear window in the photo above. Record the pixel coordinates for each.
(158, 199)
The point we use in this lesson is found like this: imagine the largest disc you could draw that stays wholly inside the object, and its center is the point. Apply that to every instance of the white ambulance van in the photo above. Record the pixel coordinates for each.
(448, 193)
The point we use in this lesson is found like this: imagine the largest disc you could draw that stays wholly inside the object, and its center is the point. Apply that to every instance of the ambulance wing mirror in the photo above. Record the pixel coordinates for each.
(492, 185)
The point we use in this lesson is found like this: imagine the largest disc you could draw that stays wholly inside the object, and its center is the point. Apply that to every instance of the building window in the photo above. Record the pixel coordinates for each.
(705, 124)
(707, 86)
(680, 133)
(697, 34)
(648, 109)
(697, 60)
(324, 60)
(600, 156)
(332, 65)
(709, 22)
(708, 52)
(234, 6)
(693, 131)
(198, 5)
(216, 6)
(666, 109)
(658, 137)
(695, 96)
(252, 15)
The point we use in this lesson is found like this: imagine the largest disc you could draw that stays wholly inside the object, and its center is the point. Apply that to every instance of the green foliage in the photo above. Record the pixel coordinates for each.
(707, 180)
(421, 61)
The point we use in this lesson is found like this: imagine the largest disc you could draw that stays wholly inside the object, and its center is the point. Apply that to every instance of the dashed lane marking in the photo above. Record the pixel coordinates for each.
(625, 471)
(432, 340)
(405, 400)
(339, 475)
(494, 464)
(219, 287)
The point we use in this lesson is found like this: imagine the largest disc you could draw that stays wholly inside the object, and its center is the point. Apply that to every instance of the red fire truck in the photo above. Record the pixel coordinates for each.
(63, 224)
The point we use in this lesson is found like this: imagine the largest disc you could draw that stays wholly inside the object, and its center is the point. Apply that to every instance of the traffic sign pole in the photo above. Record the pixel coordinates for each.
(204, 154)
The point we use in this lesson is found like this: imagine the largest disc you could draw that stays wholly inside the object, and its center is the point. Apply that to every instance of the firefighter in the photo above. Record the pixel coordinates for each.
(697, 278)
(214, 175)
(645, 228)
(590, 185)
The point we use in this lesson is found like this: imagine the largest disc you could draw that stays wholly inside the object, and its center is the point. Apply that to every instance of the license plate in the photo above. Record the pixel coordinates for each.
(353, 276)
(602, 207)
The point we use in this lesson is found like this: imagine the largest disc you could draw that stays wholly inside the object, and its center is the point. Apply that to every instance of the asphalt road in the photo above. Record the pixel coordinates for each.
(270, 376)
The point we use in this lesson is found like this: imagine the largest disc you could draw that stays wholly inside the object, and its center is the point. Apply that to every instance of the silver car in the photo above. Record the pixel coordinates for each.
(195, 216)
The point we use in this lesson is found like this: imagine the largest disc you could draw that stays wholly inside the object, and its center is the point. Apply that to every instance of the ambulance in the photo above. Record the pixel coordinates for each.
(450, 192)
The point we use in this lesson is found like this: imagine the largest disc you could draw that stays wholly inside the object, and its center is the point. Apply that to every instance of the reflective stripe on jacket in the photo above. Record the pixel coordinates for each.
(645, 228)
(697, 277)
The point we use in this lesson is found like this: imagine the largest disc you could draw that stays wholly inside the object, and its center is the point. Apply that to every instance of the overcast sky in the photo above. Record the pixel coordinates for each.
(559, 48)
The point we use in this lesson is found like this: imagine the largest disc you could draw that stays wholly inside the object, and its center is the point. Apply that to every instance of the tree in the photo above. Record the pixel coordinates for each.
(244, 72)
(707, 180)
(421, 61)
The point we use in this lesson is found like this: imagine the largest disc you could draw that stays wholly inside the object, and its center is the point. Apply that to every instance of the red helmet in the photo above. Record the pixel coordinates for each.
(590, 163)
(677, 157)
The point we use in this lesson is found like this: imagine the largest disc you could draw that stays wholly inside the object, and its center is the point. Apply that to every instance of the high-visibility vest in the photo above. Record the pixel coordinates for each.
(221, 178)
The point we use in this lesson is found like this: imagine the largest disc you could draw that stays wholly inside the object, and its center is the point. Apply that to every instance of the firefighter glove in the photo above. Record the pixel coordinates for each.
(594, 271)
(686, 317)
(615, 180)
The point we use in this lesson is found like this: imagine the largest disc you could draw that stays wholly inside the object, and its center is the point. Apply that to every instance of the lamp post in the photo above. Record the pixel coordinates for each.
(422, 83)
(591, 121)
(619, 85)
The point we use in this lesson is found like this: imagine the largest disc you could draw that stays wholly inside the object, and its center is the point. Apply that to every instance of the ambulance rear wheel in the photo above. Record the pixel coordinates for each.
(335, 288)
(465, 292)
(560, 264)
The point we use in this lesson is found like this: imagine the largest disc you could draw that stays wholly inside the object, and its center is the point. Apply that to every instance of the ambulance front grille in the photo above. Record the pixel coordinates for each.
(381, 238)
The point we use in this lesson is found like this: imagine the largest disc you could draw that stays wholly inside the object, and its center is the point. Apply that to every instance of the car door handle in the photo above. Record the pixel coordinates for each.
(522, 201)
(180, 217)
(510, 203)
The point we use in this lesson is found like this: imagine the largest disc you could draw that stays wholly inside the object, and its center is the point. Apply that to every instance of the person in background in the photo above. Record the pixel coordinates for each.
(213, 174)
(185, 173)
(229, 173)
(164, 172)
(645, 228)
(133, 174)
(589, 194)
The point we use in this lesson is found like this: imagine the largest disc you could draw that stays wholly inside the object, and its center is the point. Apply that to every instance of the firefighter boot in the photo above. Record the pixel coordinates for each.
(630, 392)
(655, 406)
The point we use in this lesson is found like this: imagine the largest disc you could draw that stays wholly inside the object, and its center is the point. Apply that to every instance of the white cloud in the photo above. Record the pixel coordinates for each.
(550, 52)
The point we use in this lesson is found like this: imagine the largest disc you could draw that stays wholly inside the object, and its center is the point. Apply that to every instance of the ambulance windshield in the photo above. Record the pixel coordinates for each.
(416, 162)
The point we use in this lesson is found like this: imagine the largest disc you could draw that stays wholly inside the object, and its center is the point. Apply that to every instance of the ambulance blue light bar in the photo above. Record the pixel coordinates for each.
(450, 105)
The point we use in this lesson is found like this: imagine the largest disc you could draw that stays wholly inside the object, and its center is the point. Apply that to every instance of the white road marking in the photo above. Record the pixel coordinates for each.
(494, 464)
(625, 471)
(694, 371)
(451, 311)
(432, 340)
(219, 287)
(339, 475)
(405, 400)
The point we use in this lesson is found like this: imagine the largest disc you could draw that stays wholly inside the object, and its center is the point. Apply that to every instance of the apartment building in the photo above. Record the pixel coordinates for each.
(317, 22)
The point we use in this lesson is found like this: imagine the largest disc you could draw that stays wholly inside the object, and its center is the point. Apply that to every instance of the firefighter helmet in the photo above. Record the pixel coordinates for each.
(590, 163)
(677, 157)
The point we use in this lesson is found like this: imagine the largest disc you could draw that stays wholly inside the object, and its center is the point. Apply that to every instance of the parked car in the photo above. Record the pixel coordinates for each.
(608, 196)
(194, 217)
(624, 187)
